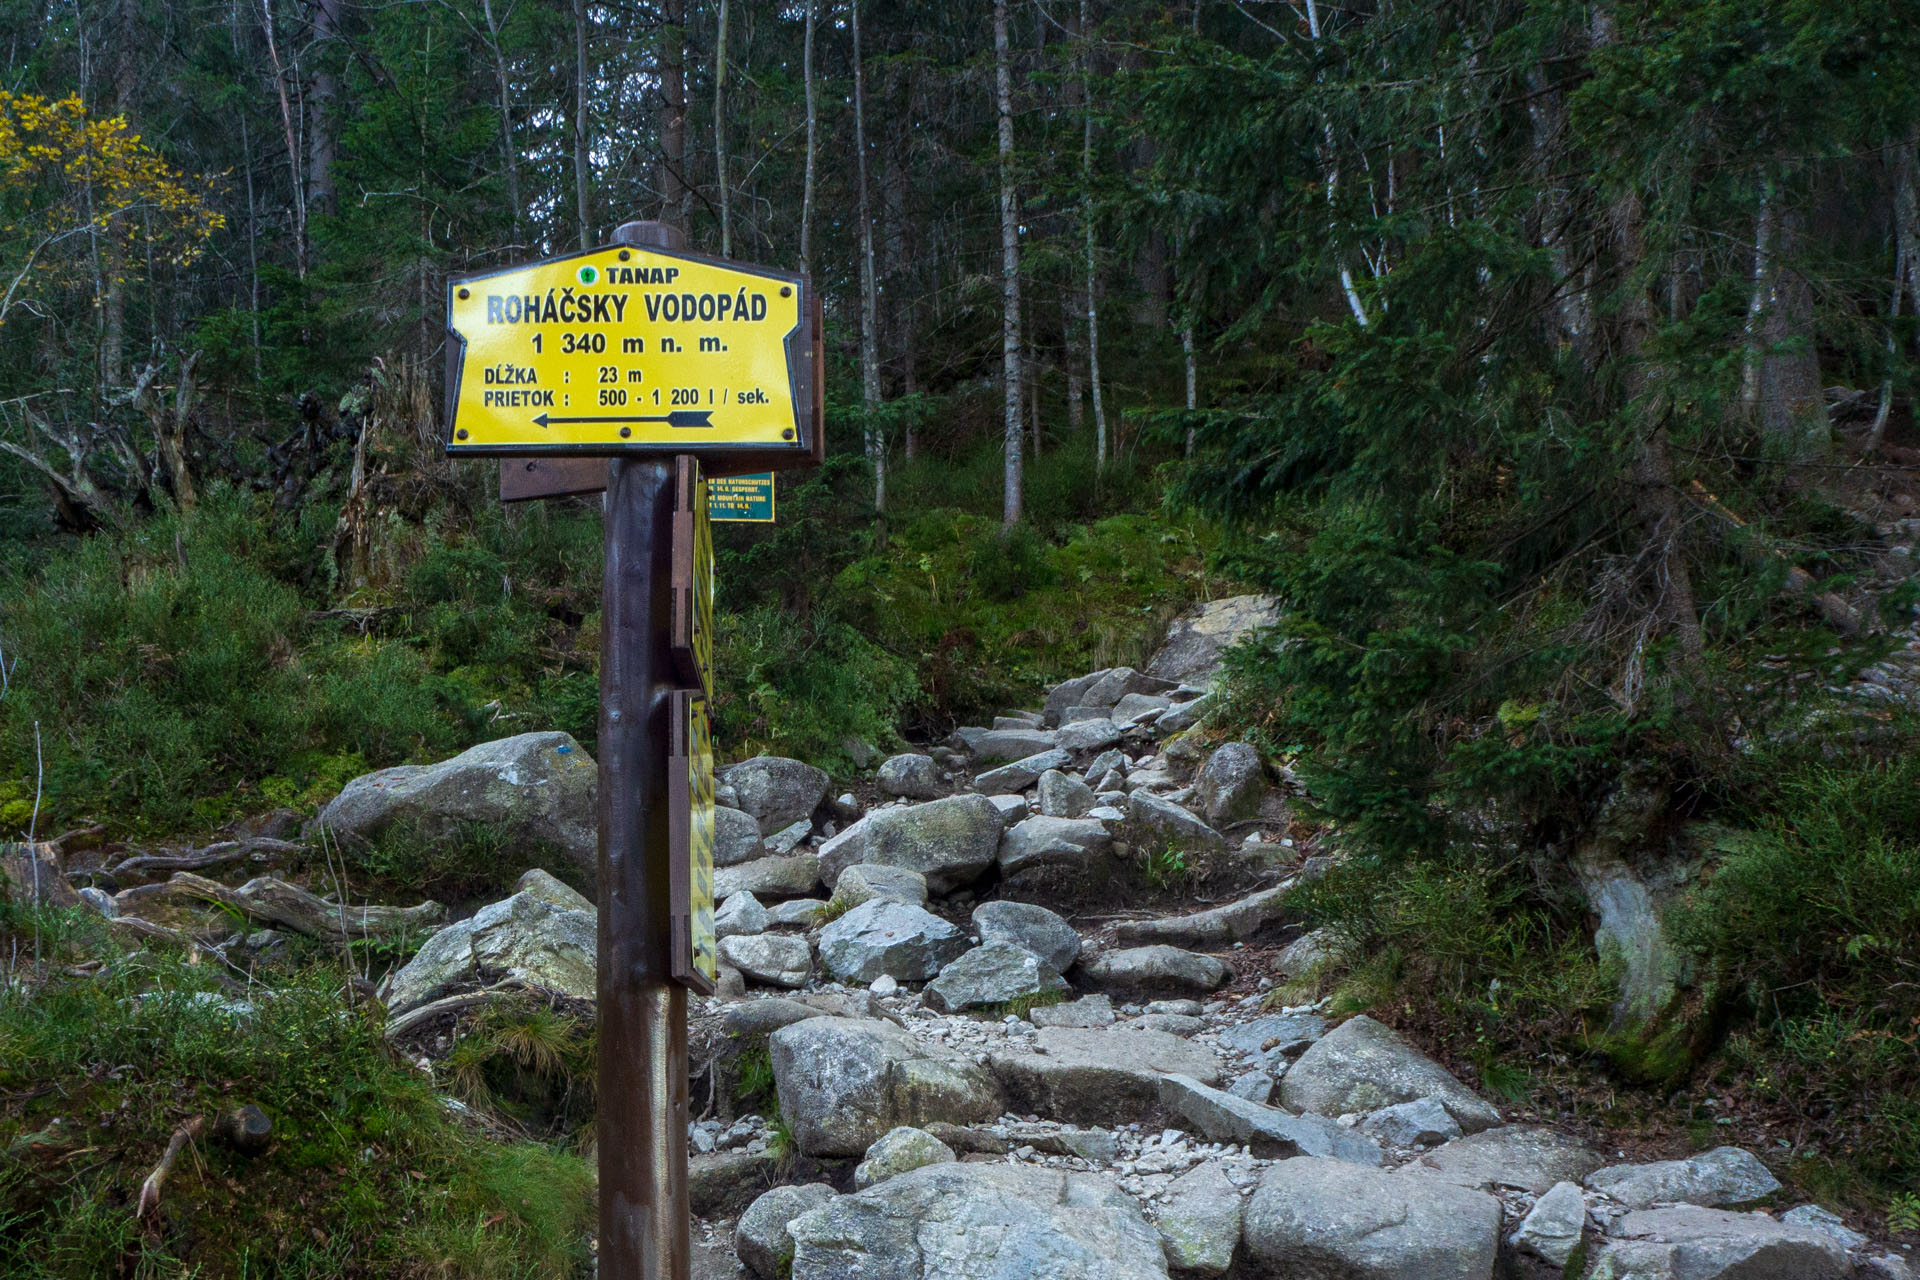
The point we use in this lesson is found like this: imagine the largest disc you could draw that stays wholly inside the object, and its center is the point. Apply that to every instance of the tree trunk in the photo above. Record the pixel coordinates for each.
(580, 156)
(322, 138)
(1906, 221)
(869, 289)
(1757, 300)
(1315, 32)
(1010, 373)
(508, 151)
(813, 139)
(720, 135)
(1193, 379)
(1793, 411)
(1086, 226)
(298, 183)
(673, 112)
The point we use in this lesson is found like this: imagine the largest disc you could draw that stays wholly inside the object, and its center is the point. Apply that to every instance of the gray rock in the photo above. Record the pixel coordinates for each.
(740, 914)
(1275, 1039)
(1527, 1157)
(736, 837)
(1254, 1086)
(1813, 1218)
(898, 1151)
(1232, 783)
(1035, 928)
(1886, 1267)
(552, 891)
(786, 840)
(1087, 735)
(1074, 715)
(1154, 824)
(1721, 1177)
(949, 841)
(865, 881)
(979, 1222)
(1235, 921)
(761, 1240)
(535, 790)
(992, 974)
(1102, 1077)
(1554, 1226)
(1116, 684)
(763, 1017)
(1191, 1008)
(1687, 1242)
(524, 938)
(98, 899)
(843, 1082)
(916, 777)
(1110, 816)
(778, 959)
(1184, 1025)
(1363, 1066)
(1067, 694)
(895, 938)
(795, 911)
(1086, 1013)
(1195, 641)
(1013, 808)
(1112, 762)
(1180, 718)
(1267, 1131)
(777, 792)
(1022, 773)
(768, 877)
(1044, 842)
(1018, 720)
(1306, 953)
(1154, 971)
(1012, 744)
(1341, 1221)
(1199, 1221)
(1136, 706)
(847, 807)
(1420, 1123)
(1064, 796)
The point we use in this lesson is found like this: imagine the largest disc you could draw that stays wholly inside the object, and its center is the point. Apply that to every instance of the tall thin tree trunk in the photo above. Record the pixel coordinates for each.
(581, 162)
(1757, 299)
(673, 112)
(322, 135)
(508, 151)
(1086, 227)
(813, 139)
(869, 289)
(1793, 409)
(720, 135)
(1010, 374)
(1333, 186)
(1193, 378)
(299, 185)
(1906, 221)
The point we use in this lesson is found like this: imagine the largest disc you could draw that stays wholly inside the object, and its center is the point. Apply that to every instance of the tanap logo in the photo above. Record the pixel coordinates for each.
(589, 274)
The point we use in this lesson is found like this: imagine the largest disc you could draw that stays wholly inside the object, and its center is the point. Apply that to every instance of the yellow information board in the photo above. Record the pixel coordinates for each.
(629, 349)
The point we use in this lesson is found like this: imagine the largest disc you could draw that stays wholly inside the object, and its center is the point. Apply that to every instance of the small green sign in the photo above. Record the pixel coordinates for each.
(741, 498)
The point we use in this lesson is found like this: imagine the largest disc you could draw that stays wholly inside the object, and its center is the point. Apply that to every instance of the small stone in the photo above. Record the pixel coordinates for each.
(740, 914)
(1553, 1227)
(1420, 1123)
(898, 1151)
(884, 985)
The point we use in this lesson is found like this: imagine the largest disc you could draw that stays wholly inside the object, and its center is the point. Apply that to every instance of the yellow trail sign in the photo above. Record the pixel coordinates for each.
(629, 349)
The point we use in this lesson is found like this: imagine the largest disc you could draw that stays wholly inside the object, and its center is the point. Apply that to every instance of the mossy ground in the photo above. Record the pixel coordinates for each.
(371, 1171)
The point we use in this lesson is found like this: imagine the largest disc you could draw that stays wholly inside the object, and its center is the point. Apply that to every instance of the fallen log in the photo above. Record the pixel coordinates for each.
(150, 1189)
(199, 859)
(274, 901)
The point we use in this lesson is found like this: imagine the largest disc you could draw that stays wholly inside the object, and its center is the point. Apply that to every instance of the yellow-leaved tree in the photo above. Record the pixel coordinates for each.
(87, 210)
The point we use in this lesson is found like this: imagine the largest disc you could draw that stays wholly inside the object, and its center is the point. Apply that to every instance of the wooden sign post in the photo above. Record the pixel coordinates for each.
(664, 362)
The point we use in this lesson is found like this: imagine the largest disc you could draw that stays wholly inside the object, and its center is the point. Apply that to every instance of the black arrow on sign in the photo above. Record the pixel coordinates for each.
(678, 418)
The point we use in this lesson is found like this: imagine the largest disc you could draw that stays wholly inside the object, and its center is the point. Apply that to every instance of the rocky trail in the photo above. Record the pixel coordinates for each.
(1028, 1003)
